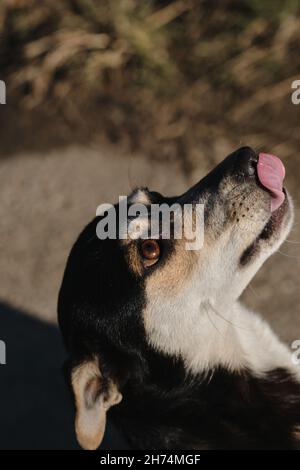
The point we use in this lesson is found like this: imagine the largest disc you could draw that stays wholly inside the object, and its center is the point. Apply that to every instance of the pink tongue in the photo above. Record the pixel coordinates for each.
(271, 173)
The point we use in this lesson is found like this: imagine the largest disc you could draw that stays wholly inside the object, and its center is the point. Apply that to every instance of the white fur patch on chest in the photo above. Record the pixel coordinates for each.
(206, 338)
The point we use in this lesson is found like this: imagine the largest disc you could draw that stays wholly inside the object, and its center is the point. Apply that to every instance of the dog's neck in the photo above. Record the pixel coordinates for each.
(229, 336)
(207, 381)
(218, 408)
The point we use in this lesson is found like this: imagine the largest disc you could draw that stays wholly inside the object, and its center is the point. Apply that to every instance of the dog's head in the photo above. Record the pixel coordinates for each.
(121, 296)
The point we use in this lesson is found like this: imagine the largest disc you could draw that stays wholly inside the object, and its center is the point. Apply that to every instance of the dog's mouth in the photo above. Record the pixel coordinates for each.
(271, 172)
(270, 229)
(270, 175)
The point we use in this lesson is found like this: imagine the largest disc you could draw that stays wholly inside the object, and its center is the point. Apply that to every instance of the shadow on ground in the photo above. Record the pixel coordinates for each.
(36, 411)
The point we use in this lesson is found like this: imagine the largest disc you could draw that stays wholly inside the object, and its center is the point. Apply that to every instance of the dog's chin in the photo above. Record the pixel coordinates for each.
(273, 233)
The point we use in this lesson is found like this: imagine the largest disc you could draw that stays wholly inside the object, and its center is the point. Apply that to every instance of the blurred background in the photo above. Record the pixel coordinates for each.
(103, 96)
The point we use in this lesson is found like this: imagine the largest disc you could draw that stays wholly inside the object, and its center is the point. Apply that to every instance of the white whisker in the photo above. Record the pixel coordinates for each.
(287, 255)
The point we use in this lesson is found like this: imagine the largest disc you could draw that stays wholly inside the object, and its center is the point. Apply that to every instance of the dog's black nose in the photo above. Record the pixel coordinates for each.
(240, 164)
(245, 161)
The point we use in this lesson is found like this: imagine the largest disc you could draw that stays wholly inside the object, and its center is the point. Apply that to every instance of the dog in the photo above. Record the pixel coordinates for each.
(157, 337)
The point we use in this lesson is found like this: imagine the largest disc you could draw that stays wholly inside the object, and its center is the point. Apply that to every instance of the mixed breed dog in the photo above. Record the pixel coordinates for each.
(157, 338)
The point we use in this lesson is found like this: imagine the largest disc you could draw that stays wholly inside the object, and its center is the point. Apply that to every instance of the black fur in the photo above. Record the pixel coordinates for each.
(219, 411)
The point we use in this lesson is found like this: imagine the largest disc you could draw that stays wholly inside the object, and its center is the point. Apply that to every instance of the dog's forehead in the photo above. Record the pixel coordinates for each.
(139, 214)
(146, 196)
(140, 196)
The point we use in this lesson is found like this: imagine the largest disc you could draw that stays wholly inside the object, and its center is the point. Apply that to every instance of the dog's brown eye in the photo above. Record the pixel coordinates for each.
(150, 251)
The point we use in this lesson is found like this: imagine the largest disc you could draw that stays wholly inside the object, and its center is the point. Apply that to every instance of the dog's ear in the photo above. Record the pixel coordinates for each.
(93, 398)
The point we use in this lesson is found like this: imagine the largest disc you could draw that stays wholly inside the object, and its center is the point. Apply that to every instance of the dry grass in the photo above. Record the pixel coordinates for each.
(166, 77)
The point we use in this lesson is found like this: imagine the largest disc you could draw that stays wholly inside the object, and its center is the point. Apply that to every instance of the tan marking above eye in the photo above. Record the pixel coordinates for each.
(150, 252)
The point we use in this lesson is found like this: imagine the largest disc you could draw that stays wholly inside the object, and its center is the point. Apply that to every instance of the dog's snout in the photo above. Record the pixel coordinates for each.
(245, 162)
(240, 164)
